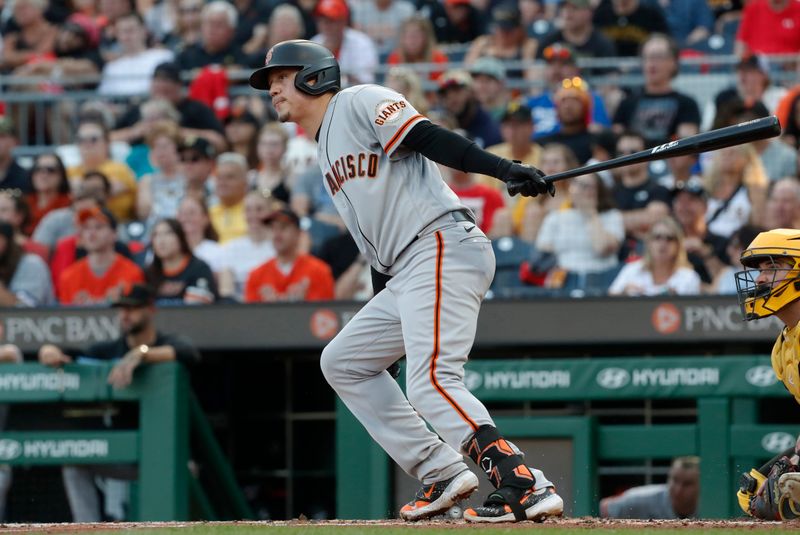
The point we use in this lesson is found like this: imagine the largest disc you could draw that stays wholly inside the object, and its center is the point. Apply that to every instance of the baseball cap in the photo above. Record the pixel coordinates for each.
(559, 51)
(332, 9)
(754, 61)
(488, 66)
(201, 145)
(285, 215)
(578, 3)
(168, 71)
(97, 212)
(506, 16)
(6, 126)
(454, 78)
(137, 295)
(692, 186)
(516, 111)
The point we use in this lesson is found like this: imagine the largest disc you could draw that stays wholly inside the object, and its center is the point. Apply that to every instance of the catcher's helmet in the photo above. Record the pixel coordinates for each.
(764, 298)
(314, 61)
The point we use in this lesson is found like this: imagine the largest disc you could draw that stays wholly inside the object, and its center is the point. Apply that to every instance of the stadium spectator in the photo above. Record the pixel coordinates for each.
(483, 200)
(217, 45)
(678, 498)
(13, 175)
(161, 192)
(535, 19)
(109, 12)
(406, 82)
(454, 21)
(60, 223)
(417, 44)
(129, 73)
(270, 176)
(285, 23)
(725, 279)
(240, 256)
(93, 145)
(489, 84)
(585, 237)
(381, 20)
(103, 275)
(457, 97)
(573, 103)
(769, 27)
(200, 233)
(198, 157)
(658, 110)
(15, 210)
(783, 205)
(251, 24)
(578, 31)
(139, 343)
(705, 249)
(51, 189)
(689, 21)
(241, 131)
(230, 188)
(33, 38)
(155, 113)
(160, 19)
(753, 85)
(628, 23)
(560, 65)
(24, 278)
(664, 268)
(291, 275)
(778, 159)
(354, 50)
(737, 187)
(641, 199)
(186, 31)
(175, 274)
(508, 41)
(196, 119)
(529, 213)
(516, 128)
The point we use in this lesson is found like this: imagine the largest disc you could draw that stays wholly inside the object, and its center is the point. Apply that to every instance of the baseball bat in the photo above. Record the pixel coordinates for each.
(720, 138)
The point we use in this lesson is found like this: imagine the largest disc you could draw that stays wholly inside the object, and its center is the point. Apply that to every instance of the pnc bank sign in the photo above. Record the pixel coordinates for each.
(61, 329)
(667, 319)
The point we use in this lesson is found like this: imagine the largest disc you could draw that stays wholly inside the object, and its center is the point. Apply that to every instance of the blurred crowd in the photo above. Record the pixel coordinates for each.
(175, 176)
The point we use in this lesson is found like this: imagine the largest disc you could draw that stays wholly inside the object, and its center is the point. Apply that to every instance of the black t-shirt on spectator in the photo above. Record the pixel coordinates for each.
(718, 245)
(640, 196)
(629, 32)
(16, 178)
(657, 117)
(196, 276)
(257, 12)
(446, 32)
(597, 46)
(194, 114)
(197, 57)
(581, 143)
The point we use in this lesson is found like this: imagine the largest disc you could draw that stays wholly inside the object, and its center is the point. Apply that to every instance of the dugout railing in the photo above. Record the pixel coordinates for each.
(172, 431)
(727, 434)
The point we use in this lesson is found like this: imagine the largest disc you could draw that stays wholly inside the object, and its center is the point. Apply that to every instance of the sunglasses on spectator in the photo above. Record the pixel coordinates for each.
(45, 169)
(664, 237)
(89, 139)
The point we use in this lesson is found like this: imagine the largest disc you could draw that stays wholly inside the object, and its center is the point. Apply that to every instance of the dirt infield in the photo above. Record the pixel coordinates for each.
(313, 525)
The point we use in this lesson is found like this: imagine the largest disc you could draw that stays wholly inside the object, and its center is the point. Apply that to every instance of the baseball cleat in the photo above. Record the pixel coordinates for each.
(537, 506)
(435, 499)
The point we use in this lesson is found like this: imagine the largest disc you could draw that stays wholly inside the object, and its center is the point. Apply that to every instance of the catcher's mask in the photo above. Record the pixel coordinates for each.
(771, 278)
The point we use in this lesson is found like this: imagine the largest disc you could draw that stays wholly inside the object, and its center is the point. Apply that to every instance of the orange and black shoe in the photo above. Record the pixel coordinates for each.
(505, 505)
(435, 499)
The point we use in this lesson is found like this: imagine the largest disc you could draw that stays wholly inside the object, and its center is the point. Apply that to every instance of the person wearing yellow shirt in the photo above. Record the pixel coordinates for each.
(227, 215)
(93, 146)
(770, 284)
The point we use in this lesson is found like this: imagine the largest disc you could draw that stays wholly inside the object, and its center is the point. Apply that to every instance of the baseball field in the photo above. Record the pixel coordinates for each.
(567, 526)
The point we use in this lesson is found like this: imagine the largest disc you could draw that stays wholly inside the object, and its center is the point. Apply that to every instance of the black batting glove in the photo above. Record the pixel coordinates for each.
(526, 180)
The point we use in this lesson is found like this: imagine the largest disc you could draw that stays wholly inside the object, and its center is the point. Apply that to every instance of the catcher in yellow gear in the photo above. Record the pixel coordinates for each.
(770, 284)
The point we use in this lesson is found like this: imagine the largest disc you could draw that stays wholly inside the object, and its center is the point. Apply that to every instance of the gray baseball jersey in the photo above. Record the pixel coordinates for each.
(385, 193)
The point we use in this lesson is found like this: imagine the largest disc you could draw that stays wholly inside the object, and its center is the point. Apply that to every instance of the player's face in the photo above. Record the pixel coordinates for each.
(286, 98)
(773, 271)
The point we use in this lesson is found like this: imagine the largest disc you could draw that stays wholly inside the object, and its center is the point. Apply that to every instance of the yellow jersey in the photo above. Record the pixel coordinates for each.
(786, 358)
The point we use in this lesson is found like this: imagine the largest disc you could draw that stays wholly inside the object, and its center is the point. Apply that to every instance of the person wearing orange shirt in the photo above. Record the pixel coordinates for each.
(291, 275)
(103, 274)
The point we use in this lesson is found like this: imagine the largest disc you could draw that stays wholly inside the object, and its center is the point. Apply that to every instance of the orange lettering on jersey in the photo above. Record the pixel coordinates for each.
(351, 166)
(372, 166)
(361, 157)
(332, 185)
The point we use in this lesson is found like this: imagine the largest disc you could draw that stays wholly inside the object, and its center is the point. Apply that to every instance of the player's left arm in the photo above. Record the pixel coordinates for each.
(452, 150)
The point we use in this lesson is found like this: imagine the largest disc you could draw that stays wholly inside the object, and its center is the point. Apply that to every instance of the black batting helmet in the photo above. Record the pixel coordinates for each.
(314, 61)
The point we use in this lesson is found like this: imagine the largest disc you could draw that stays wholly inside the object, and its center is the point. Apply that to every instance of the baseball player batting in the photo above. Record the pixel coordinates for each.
(770, 284)
(377, 157)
